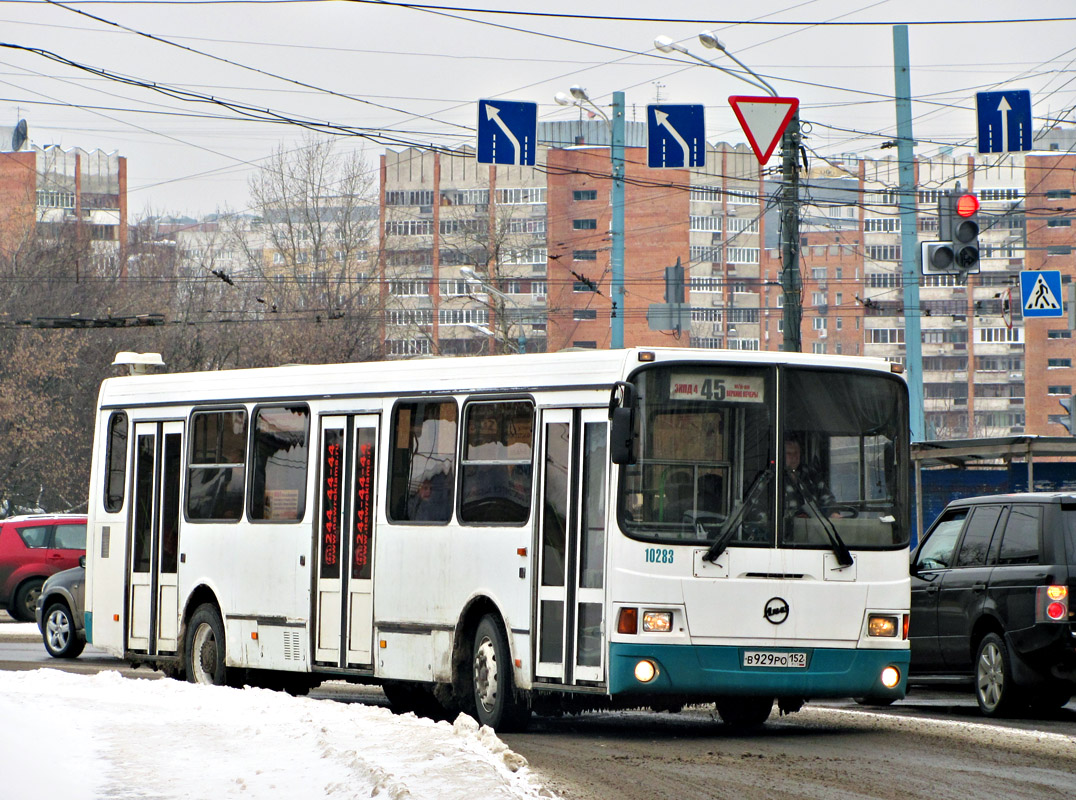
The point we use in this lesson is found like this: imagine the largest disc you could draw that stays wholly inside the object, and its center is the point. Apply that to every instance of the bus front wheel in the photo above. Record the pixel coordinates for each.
(497, 702)
(204, 652)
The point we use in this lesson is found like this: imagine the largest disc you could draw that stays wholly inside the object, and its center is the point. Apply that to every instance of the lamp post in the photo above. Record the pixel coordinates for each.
(473, 277)
(791, 281)
(580, 98)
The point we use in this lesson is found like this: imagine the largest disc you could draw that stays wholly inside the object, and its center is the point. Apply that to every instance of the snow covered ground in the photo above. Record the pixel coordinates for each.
(84, 737)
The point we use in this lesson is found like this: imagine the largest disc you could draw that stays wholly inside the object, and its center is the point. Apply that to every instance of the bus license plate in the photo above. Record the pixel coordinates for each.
(770, 658)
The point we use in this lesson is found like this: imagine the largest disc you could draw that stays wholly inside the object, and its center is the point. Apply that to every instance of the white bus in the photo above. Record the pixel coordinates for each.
(501, 535)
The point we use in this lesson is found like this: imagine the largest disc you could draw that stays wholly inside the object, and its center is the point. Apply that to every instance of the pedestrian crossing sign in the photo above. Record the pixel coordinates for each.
(1040, 293)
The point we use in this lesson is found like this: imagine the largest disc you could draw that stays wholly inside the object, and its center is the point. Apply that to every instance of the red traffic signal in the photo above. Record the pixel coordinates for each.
(967, 205)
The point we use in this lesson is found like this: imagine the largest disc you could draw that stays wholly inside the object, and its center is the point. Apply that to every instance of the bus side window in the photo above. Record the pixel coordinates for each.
(217, 465)
(422, 468)
(116, 461)
(278, 472)
(495, 472)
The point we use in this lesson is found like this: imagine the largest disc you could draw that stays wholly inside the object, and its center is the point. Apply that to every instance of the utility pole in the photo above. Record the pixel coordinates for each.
(909, 240)
(616, 256)
(791, 281)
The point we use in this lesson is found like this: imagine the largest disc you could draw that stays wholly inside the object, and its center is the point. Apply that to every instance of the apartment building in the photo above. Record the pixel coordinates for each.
(538, 240)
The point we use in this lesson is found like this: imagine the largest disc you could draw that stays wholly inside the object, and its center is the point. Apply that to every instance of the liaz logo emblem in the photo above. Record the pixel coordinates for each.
(775, 610)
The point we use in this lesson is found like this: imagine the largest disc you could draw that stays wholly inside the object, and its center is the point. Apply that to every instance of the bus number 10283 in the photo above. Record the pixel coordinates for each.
(659, 555)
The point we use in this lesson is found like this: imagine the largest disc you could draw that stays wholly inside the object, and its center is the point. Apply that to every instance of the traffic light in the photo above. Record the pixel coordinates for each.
(938, 256)
(964, 233)
(1068, 420)
(674, 283)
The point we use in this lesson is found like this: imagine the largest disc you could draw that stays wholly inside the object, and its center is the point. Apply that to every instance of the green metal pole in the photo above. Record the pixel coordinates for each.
(909, 240)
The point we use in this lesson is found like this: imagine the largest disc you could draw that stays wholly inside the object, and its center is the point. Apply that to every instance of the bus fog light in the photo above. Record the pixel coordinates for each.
(657, 621)
(878, 625)
(645, 671)
(890, 677)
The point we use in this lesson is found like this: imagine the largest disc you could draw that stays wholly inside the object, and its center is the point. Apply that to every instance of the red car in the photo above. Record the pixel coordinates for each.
(32, 548)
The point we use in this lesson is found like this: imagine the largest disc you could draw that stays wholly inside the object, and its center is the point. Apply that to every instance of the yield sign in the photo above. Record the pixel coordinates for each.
(764, 119)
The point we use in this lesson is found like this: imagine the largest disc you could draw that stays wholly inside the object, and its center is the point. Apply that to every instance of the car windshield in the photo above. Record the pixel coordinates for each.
(714, 465)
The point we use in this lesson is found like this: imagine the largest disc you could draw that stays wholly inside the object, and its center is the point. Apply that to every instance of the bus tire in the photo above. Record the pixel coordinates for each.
(744, 713)
(497, 702)
(204, 653)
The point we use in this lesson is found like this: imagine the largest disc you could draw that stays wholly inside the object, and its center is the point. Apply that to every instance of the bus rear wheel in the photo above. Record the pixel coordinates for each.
(744, 713)
(204, 651)
(497, 702)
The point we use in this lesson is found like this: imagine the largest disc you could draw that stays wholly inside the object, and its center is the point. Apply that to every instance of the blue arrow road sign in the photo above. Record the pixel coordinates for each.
(507, 132)
(675, 136)
(1004, 121)
(1040, 293)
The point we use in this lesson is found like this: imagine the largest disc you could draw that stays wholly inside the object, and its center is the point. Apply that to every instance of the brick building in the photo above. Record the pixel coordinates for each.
(72, 192)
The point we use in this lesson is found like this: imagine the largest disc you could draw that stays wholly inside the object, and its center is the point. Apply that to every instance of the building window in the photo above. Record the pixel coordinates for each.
(586, 345)
(819, 323)
(1058, 363)
(580, 195)
(1058, 250)
(584, 313)
(1059, 333)
(1058, 223)
(1065, 390)
(584, 286)
(584, 255)
(584, 224)
(1058, 194)
(706, 223)
(742, 255)
(528, 196)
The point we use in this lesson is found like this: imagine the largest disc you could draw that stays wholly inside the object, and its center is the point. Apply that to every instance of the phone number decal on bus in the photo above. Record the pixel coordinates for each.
(770, 658)
(718, 388)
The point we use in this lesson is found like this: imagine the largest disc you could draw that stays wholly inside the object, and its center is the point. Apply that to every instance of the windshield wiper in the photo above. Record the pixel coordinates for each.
(729, 526)
(840, 549)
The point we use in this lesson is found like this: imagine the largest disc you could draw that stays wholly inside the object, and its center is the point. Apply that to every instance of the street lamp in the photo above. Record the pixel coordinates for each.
(473, 277)
(790, 147)
(579, 97)
(666, 45)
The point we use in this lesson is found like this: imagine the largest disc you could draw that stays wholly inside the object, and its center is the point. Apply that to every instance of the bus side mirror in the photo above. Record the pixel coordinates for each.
(622, 423)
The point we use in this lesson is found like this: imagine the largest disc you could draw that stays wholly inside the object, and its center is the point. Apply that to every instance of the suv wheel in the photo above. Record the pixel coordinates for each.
(24, 608)
(61, 639)
(994, 688)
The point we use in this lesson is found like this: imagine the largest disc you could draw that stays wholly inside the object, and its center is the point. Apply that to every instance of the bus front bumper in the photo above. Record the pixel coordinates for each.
(711, 671)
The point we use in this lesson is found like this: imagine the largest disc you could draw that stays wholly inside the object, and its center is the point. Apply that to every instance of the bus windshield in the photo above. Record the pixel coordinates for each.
(712, 467)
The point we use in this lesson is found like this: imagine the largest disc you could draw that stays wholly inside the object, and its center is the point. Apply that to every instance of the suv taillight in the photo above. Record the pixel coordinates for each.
(1052, 604)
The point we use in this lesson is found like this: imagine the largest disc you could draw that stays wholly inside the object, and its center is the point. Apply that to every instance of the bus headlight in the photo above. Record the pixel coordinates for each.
(890, 677)
(657, 621)
(645, 671)
(883, 625)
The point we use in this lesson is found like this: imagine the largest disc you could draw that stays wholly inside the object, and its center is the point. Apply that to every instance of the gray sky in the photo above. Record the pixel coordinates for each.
(417, 75)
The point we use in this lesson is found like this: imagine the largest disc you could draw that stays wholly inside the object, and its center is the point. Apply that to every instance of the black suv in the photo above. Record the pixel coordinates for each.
(991, 586)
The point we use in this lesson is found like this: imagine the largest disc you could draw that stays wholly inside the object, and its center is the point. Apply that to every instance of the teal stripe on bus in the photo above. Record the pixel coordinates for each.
(716, 670)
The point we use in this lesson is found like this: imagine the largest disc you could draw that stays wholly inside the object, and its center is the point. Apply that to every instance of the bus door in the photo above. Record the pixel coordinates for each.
(153, 591)
(344, 600)
(572, 544)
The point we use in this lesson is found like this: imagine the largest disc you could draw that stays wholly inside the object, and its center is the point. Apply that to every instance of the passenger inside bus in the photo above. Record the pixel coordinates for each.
(431, 501)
